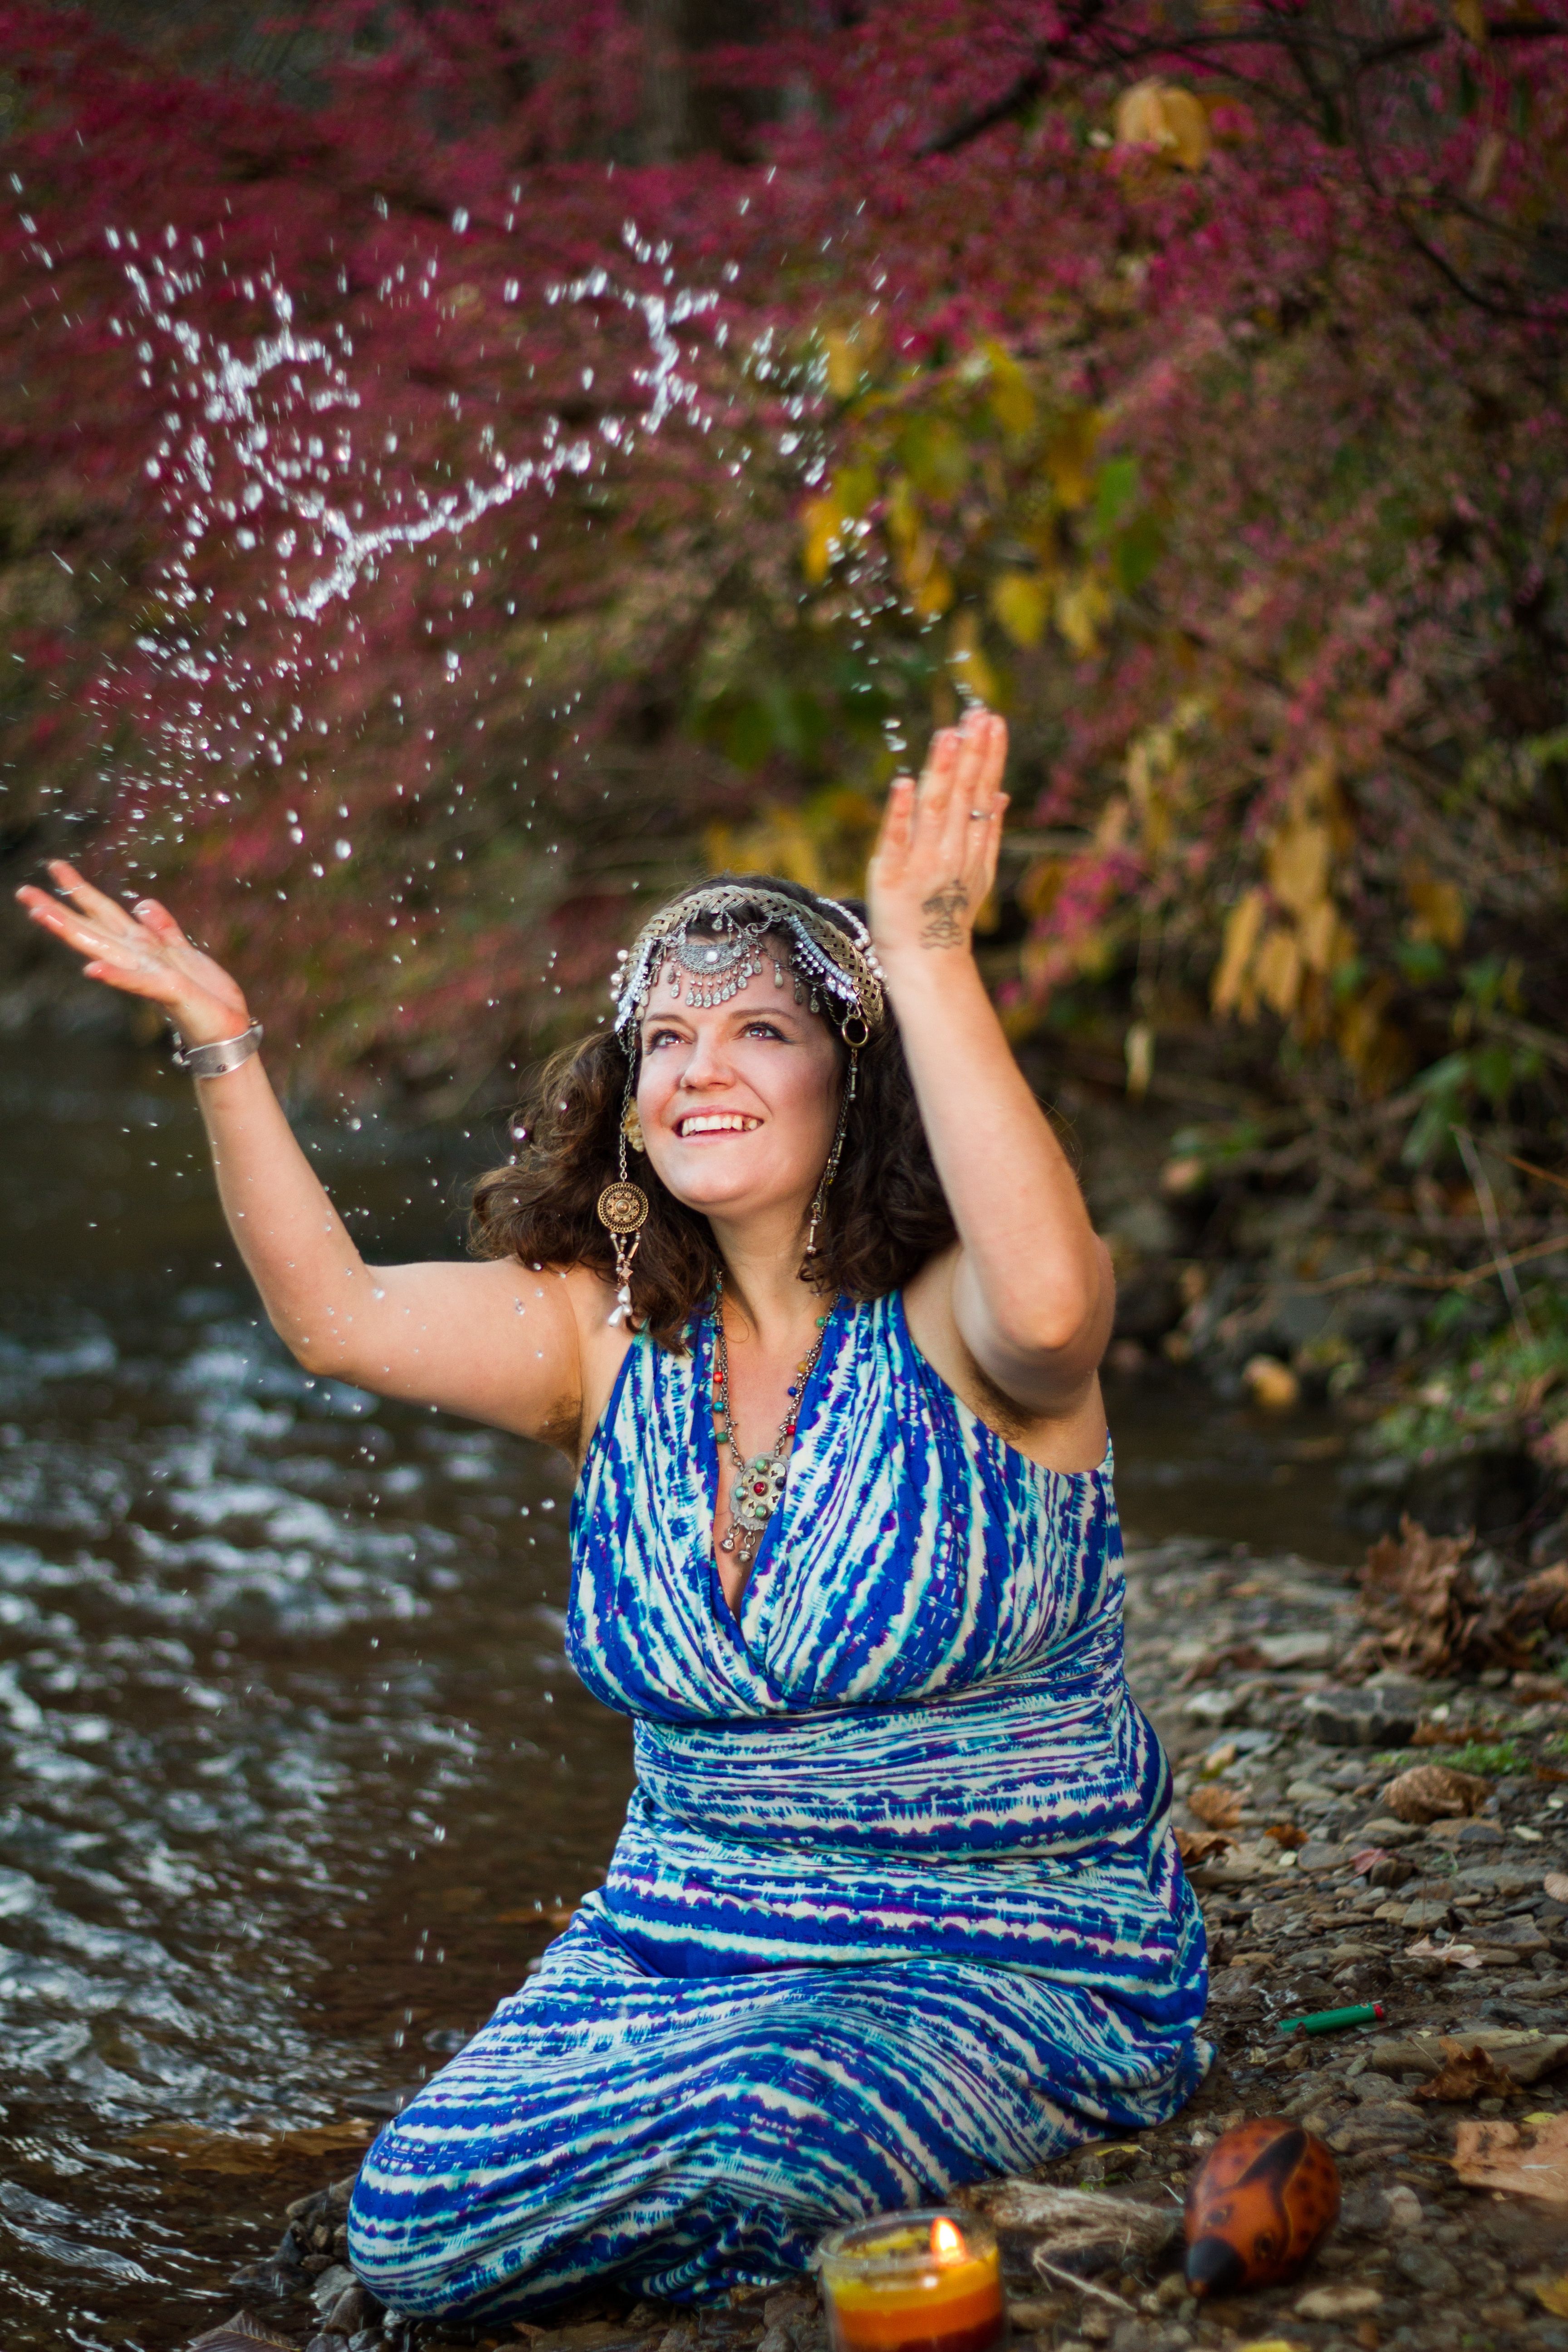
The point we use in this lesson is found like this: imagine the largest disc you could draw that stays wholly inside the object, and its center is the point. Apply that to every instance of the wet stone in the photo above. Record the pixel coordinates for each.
(1358, 1718)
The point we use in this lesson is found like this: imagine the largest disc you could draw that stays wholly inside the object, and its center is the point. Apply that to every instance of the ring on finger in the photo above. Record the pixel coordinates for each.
(981, 816)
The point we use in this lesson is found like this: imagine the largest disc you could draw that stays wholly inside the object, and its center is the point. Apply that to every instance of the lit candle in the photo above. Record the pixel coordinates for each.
(925, 2282)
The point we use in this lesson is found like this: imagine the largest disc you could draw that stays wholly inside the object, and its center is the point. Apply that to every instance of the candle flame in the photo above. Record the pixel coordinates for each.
(946, 2241)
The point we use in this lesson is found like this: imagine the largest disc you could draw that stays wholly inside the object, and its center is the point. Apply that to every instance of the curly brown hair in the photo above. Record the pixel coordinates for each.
(886, 1213)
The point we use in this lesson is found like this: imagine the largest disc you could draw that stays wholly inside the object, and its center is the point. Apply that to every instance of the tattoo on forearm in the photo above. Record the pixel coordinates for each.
(943, 912)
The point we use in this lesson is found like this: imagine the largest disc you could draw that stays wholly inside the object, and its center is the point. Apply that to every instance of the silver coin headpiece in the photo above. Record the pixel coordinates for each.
(710, 945)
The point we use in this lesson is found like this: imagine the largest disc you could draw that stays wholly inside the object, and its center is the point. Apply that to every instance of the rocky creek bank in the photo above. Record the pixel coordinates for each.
(1356, 1834)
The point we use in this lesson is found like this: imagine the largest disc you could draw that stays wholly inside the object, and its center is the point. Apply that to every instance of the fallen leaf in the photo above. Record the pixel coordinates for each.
(1216, 1808)
(1553, 2294)
(1198, 1846)
(1458, 1956)
(205, 2150)
(1471, 2073)
(1555, 1884)
(1363, 1862)
(1493, 2156)
(1287, 1834)
(1419, 1592)
(1430, 1792)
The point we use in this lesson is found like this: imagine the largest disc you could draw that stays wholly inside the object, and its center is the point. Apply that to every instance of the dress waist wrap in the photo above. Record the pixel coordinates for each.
(1039, 1760)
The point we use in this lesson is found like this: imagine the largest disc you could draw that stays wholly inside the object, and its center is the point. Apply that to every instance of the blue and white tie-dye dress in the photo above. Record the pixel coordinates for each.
(897, 1903)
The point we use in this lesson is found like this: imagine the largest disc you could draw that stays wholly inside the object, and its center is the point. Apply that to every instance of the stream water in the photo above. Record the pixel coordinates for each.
(295, 1770)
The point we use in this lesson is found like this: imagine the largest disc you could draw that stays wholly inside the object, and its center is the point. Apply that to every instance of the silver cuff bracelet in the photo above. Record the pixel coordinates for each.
(216, 1060)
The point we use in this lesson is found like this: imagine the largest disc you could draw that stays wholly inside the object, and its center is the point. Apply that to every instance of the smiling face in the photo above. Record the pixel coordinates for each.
(738, 1101)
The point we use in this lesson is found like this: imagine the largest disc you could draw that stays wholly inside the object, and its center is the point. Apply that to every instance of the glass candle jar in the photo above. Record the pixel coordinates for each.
(925, 2282)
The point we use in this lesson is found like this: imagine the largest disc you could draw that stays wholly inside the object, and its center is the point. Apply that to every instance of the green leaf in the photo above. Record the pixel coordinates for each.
(935, 454)
(1137, 550)
(1115, 490)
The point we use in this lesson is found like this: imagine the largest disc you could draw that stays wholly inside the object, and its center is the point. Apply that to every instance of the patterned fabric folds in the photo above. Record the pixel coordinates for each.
(896, 1904)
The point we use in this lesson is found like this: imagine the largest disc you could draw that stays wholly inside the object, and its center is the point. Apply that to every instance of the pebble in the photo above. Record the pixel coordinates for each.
(1358, 1718)
(1339, 2302)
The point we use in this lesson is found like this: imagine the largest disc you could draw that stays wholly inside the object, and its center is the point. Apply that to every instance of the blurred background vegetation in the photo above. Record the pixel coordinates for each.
(1187, 384)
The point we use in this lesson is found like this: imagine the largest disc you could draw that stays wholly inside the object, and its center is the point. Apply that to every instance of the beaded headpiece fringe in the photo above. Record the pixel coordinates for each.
(711, 944)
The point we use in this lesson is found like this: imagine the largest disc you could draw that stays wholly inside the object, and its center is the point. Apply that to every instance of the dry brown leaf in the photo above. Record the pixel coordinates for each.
(1543, 1601)
(1217, 1808)
(205, 2150)
(1431, 1792)
(1555, 1884)
(1430, 1615)
(1494, 2155)
(1197, 1846)
(1470, 2074)
(1287, 1834)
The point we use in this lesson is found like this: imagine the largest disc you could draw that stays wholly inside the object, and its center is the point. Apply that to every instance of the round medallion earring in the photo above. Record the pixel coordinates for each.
(622, 1209)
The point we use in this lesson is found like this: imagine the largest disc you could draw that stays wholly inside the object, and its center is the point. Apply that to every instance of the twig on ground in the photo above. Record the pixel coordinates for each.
(1048, 2269)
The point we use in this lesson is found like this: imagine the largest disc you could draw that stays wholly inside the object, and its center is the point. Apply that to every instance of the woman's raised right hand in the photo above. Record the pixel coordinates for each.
(141, 951)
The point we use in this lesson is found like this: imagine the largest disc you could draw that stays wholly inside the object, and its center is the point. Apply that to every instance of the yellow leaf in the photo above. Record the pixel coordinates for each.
(1552, 2293)
(1040, 885)
(1278, 971)
(1069, 456)
(1163, 116)
(1312, 789)
(1187, 128)
(1242, 926)
(821, 520)
(929, 581)
(1138, 1046)
(1080, 611)
(1111, 830)
(1298, 866)
(1471, 19)
(1157, 826)
(1021, 602)
(1140, 118)
(1320, 936)
(1438, 908)
(844, 364)
(1094, 952)
(1012, 400)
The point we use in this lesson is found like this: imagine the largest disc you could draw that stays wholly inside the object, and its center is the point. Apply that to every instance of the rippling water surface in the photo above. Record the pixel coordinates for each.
(295, 1772)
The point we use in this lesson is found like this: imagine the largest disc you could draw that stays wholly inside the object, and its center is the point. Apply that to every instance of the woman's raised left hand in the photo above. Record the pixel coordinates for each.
(935, 858)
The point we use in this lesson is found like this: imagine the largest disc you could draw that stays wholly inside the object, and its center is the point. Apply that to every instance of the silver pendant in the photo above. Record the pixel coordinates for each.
(758, 1491)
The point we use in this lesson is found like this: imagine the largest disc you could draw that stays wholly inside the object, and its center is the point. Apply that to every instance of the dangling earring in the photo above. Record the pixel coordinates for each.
(808, 1271)
(623, 1212)
(631, 1127)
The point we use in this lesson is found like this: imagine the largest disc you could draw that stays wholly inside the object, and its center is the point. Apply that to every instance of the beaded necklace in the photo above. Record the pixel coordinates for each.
(759, 1483)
